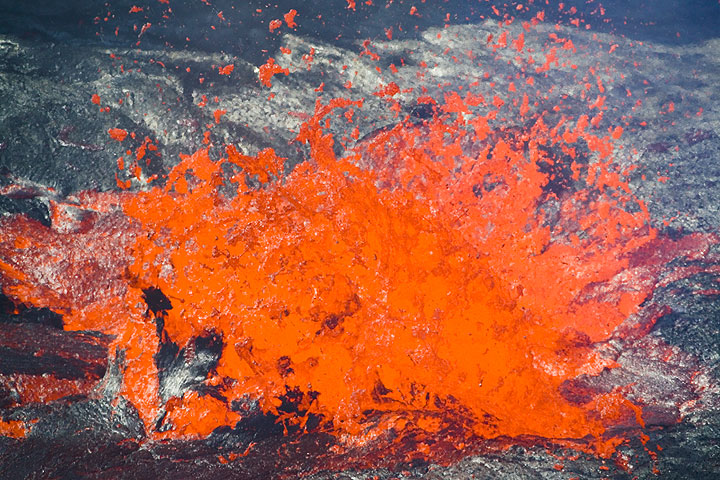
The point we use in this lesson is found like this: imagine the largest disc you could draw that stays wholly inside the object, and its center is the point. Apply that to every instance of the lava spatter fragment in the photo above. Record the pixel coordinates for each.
(270, 69)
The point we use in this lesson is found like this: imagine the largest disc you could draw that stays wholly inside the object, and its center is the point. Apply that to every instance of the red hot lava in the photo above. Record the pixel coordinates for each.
(444, 275)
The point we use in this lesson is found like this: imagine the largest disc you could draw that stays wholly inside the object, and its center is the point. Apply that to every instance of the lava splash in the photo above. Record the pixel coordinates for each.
(441, 276)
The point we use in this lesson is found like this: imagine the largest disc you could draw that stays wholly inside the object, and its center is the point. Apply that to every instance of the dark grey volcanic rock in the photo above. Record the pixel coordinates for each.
(53, 137)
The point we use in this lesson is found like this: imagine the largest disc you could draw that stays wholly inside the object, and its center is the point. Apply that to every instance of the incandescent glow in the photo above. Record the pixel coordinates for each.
(420, 281)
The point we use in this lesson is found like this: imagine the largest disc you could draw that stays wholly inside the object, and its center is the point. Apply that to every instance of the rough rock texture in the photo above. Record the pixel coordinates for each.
(54, 141)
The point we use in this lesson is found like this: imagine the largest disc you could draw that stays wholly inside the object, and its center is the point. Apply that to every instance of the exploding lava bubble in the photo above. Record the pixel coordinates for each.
(437, 283)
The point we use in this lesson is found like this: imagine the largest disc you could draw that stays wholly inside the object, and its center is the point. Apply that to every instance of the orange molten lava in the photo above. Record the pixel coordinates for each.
(432, 276)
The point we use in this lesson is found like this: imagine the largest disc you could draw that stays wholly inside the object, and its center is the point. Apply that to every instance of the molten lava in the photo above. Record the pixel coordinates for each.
(422, 280)
(445, 276)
